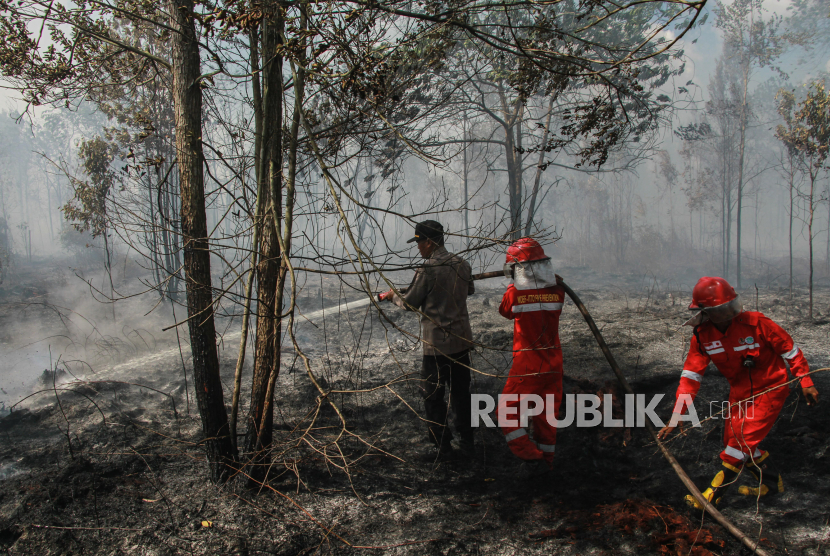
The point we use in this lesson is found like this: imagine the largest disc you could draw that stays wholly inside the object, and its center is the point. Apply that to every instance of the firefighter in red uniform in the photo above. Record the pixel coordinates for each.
(749, 350)
(534, 302)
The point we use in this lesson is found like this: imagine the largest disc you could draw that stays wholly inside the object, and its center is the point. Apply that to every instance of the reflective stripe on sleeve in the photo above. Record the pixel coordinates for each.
(691, 374)
(735, 453)
(792, 353)
(530, 307)
(547, 447)
(518, 433)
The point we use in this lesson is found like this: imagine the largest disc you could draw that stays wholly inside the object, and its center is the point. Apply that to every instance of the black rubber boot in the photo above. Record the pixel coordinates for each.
(722, 480)
(467, 446)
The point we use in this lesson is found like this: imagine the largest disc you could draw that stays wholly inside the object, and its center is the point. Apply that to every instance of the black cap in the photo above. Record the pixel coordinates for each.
(428, 229)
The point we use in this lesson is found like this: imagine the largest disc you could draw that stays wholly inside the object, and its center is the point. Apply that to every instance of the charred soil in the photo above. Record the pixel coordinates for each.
(110, 462)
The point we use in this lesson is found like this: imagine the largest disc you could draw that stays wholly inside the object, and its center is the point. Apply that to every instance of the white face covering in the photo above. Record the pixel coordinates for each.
(721, 313)
(534, 275)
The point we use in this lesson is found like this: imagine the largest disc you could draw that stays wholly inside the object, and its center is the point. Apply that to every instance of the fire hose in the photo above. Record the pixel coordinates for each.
(678, 469)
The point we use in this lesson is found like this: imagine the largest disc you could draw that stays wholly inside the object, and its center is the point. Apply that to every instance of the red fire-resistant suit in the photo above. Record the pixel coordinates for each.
(750, 336)
(537, 365)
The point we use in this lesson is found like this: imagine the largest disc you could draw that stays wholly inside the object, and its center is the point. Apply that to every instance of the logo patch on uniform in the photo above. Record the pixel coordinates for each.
(750, 339)
(538, 298)
(714, 345)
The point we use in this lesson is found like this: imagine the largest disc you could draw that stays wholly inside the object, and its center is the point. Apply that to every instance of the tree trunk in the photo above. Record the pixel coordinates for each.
(514, 161)
(532, 209)
(258, 436)
(792, 178)
(691, 229)
(166, 220)
(724, 211)
(518, 192)
(466, 171)
(290, 190)
(257, 223)
(187, 102)
(152, 238)
(741, 149)
(810, 235)
(513, 187)
(755, 237)
(827, 254)
(367, 196)
(728, 231)
(52, 230)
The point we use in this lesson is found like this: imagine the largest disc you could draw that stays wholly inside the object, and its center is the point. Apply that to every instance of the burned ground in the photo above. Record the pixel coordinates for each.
(111, 463)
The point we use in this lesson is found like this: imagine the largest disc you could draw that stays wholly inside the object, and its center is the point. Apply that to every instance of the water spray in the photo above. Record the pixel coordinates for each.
(338, 309)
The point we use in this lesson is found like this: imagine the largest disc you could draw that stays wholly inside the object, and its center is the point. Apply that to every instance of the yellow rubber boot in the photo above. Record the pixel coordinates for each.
(720, 483)
(768, 480)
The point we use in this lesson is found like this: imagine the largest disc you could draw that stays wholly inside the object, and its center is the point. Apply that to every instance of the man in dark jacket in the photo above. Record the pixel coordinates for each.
(439, 293)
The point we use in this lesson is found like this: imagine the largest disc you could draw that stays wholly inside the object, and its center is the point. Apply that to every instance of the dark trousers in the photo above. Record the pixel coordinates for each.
(452, 370)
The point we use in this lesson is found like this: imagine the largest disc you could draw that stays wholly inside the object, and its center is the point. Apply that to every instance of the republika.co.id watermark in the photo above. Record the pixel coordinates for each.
(589, 410)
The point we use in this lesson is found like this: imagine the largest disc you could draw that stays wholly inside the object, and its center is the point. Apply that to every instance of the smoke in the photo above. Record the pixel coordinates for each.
(57, 318)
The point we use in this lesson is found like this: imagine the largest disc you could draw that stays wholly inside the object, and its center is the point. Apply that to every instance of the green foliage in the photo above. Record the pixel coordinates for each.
(87, 210)
(602, 62)
(806, 128)
(752, 37)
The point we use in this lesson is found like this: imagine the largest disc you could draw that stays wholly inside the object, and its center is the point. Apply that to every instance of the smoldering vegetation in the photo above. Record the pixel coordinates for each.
(55, 327)
(110, 462)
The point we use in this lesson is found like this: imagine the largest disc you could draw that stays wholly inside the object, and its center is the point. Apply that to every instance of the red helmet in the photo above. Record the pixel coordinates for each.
(525, 250)
(714, 299)
(711, 291)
